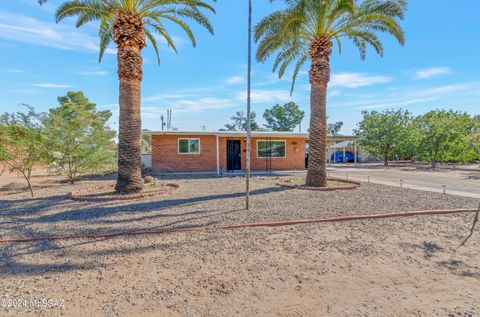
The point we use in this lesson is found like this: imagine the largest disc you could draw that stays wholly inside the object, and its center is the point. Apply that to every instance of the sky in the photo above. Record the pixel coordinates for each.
(439, 67)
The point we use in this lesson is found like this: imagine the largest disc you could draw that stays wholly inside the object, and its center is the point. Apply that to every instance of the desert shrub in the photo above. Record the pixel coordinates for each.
(148, 180)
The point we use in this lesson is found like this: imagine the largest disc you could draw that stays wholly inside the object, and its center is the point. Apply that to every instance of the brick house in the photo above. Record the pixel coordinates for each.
(225, 151)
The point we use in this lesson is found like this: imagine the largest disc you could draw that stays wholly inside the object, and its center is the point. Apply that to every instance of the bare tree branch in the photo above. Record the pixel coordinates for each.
(4, 168)
(472, 229)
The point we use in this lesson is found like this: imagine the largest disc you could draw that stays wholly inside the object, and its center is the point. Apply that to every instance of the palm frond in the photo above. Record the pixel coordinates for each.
(303, 21)
(152, 12)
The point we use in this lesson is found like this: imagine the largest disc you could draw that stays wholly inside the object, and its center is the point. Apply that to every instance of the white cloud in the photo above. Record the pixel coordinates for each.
(335, 93)
(356, 80)
(264, 96)
(391, 104)
(93, 73)
(404, 96)
(172, 96)
(432, 72)
(446, 89)
(235, 80)
(14, 71)
(191, 105)
(25, 29)
(51, 85)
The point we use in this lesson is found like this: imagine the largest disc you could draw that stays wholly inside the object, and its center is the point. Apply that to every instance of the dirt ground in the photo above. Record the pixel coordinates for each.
(389, 267)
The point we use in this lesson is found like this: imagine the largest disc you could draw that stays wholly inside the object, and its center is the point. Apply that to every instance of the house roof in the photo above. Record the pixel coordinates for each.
(255, 134)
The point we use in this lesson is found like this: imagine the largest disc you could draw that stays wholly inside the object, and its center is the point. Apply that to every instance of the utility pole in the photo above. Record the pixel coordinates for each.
(163, 123)
(249, 128)
(169, 119)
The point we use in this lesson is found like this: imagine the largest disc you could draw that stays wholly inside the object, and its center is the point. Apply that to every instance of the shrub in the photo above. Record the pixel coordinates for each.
(148, 180)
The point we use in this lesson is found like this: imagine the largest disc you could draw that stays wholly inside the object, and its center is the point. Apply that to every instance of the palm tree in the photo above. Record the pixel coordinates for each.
(129, 23)
(306, 30)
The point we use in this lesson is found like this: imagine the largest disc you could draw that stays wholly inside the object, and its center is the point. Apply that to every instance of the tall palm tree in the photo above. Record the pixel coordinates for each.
(129, 23)
(306, 30)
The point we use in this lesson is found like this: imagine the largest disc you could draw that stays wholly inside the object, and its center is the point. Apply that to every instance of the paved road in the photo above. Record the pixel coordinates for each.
(461, 183)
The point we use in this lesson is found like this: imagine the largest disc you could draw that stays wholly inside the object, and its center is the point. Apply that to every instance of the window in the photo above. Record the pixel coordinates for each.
(188, 146)
(271, 149)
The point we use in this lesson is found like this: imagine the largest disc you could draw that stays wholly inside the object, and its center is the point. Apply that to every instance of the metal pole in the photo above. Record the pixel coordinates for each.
(329, 154)
(249, 128)
(355, 151)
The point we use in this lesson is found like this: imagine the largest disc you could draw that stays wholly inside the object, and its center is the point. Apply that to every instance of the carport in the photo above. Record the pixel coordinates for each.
(342, 148)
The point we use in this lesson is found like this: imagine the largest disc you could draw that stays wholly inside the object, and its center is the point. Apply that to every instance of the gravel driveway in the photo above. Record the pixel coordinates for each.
(457, 181)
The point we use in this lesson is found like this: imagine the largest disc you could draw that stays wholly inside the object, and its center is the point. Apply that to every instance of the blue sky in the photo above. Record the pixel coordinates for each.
(438, 67)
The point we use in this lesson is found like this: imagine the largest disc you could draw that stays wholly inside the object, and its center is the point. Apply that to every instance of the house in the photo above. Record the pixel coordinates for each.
(225, 151)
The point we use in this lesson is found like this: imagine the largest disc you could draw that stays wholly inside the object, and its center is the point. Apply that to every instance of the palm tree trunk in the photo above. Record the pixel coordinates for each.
(320, 51)
(129, 139)
(317, 167)
(129, 36)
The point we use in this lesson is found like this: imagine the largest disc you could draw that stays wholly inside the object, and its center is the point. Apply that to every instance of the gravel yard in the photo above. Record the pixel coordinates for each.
(389, 267)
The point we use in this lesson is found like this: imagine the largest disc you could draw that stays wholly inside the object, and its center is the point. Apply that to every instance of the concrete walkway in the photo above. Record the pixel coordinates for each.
(459, 183)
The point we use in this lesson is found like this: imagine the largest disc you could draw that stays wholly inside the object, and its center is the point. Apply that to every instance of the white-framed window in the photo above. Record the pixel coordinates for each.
(189, 146)
(271, 148)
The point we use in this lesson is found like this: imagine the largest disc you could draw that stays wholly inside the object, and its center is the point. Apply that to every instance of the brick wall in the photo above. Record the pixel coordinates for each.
(165, 157)
(294, 160)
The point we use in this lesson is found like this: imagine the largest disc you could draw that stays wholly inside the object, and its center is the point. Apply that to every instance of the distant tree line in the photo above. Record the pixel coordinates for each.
(436, 136)
(72, 138)
(278, 118)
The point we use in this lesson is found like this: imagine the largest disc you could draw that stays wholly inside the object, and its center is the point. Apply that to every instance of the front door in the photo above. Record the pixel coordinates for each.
(234, 158)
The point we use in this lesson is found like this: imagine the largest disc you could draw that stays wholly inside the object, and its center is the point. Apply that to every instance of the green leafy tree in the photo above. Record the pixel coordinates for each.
(443, 136)
(22, 142)
(239, 122)
(474, 141)
(146, 142)
(78, 139)
(334, 128)
(474, 138)
(129, 24)
(306, 31)
(283, 118)
(384, 133)
(3, 149)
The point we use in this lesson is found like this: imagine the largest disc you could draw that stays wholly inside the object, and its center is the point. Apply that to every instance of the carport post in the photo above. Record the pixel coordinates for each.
(355, 151)
(344, 158)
